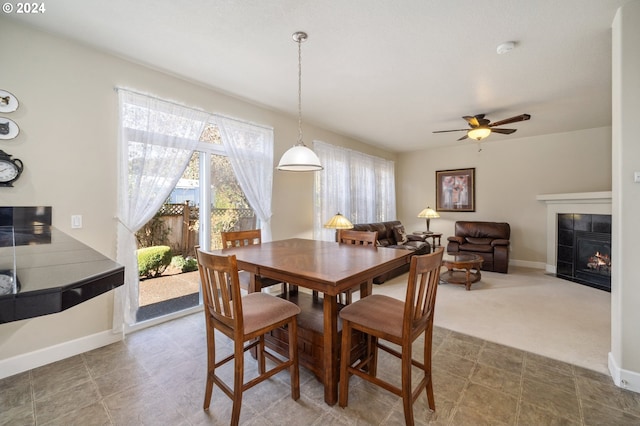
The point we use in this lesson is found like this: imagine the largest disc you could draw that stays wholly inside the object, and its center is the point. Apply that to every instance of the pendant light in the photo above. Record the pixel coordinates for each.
(299, 158)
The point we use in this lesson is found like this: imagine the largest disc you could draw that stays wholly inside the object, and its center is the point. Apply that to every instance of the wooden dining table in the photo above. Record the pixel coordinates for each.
(328, 267)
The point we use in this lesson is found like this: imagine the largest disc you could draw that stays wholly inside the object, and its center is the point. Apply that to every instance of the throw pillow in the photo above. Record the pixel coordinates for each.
(400, 234)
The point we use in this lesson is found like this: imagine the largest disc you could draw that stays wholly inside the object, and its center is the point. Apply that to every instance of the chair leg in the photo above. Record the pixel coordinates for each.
(343, 395)
(211, 366)
(238, 382)
(294, 370)
(407, 400)
(427, 367)
(260, 355)
(373, 353)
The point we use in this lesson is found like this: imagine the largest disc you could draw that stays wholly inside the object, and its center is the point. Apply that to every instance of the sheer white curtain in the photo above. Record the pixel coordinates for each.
(156, 141)
(358, 185)
(249, 148)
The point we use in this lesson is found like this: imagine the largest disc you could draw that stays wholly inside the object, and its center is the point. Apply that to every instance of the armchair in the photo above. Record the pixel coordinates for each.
(490, 240)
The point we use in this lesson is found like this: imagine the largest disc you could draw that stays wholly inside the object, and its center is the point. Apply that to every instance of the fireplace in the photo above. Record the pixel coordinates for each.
(584, 249)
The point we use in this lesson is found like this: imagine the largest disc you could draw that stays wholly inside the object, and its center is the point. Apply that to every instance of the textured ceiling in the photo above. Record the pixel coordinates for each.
(385, 72)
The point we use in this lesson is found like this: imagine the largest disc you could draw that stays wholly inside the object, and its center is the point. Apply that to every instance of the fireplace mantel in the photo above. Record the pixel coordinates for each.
(578, 202)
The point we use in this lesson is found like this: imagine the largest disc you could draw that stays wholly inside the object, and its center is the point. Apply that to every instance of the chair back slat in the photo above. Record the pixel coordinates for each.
(241, 238)
(422, 286)
(360, 238)
(221, 287)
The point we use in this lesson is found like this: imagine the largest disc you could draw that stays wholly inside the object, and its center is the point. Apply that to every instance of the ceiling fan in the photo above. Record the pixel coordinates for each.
(481, 128)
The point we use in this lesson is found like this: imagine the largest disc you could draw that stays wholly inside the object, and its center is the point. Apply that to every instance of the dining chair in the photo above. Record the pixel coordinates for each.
(247, 238)
(245, 320)
(401, 323)
(359, 238)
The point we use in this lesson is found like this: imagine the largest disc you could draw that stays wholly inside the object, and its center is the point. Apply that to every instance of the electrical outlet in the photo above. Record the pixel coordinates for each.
(76, 221)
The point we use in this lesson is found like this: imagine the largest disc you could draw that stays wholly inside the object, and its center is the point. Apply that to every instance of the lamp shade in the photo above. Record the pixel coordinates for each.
(339, 222)
(428, 213)
(479, 133)
(299, 158)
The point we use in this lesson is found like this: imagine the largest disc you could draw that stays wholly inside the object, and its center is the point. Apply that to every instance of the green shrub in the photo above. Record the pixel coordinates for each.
(152, 261)
(185, 265)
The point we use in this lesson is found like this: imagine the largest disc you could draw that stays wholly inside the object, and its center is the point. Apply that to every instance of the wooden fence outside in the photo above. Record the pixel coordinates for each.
(183, 222)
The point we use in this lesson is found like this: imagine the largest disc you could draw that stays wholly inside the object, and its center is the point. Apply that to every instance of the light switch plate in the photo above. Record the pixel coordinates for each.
(636, 177)
(76, 221)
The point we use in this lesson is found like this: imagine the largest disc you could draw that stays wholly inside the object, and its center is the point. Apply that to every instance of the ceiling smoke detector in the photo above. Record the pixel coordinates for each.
(505, 47)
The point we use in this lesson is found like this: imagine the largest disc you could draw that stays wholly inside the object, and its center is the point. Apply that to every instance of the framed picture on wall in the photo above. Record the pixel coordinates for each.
(456, 190)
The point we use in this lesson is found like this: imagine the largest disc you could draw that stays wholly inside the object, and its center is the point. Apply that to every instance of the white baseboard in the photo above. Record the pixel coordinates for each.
(527, 264)
(624, 379)
(40, 357)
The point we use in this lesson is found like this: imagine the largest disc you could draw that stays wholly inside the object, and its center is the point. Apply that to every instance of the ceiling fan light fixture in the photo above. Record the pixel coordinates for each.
(479, 133)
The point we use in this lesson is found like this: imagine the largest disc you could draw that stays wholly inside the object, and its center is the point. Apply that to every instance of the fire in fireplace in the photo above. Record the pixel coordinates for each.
(600, 263)
(584, 249)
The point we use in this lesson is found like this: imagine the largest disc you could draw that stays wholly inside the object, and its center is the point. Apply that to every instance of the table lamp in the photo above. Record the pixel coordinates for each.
(338, 222)
(428, 214)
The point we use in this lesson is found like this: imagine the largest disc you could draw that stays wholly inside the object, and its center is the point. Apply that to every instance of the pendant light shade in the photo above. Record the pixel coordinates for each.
(299, 158)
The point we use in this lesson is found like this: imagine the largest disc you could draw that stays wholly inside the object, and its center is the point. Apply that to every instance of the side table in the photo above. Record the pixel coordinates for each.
(432, 235)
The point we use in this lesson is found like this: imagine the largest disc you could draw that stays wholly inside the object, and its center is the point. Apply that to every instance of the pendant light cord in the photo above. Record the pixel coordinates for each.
(300, 142)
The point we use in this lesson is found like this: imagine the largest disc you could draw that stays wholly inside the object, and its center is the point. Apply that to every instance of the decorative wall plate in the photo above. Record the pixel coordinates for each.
(8, 102)
(8, 128)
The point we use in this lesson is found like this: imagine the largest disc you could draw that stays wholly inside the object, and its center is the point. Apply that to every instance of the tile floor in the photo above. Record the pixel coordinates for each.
(156, 377)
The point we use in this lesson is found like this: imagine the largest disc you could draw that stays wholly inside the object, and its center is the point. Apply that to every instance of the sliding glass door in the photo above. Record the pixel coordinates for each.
(207, 200)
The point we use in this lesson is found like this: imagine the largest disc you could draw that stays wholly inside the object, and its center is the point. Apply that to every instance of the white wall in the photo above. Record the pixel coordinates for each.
(624, 359)
(68, 117)
(509, 175)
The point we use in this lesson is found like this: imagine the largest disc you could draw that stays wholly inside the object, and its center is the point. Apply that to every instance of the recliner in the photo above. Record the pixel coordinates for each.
(490, 240)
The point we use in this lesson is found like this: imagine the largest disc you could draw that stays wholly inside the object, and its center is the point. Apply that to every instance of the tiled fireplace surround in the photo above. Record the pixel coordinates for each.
(582, 202)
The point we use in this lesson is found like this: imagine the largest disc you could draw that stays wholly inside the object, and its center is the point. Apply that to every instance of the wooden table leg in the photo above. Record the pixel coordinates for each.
(366, 288)
(331, 346)
(255, 283)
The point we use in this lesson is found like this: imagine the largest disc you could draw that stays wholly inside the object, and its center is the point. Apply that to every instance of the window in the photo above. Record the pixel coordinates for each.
(358, 185)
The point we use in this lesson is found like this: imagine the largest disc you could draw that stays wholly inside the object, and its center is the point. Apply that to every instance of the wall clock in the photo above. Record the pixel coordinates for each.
(10, 169)
(8, 128)
(8, 102)
(6, 283)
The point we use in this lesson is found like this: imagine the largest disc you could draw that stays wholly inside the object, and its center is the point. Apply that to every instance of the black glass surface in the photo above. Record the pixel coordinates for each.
(54, 272)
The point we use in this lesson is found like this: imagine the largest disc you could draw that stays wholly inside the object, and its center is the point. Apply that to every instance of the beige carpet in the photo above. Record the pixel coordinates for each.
(529, 310)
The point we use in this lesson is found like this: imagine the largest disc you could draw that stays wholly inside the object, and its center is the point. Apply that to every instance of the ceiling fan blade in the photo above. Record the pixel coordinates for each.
(503, 131)
(477, 120)
(447, 131)
(522, 117)
(464, 137)
(473, 121)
